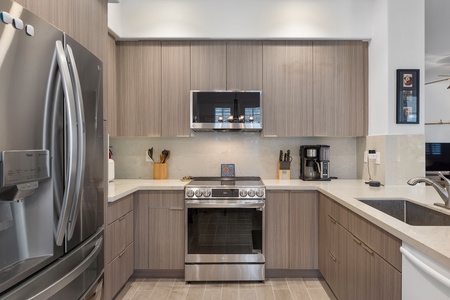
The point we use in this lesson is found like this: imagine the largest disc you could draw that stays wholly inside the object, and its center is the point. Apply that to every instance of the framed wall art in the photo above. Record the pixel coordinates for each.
(407, 96)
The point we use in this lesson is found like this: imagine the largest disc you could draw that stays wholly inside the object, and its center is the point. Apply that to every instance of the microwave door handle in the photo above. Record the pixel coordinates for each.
(72, 146)
(81, 150)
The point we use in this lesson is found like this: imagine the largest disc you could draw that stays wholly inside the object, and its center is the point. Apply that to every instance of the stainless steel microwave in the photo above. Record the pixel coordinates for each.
(226, 110)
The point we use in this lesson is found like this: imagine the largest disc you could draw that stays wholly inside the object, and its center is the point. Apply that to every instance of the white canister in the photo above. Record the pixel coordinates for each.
(111, 172)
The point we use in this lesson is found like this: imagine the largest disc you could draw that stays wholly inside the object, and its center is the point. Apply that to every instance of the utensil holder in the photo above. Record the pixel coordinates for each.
(160, 171)
(284, 170)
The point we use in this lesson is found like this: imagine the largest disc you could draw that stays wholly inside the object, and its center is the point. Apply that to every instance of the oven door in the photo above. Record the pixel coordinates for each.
(224, 231)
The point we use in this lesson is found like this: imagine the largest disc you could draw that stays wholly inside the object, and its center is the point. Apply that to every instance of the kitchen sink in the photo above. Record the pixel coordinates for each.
(409, 212)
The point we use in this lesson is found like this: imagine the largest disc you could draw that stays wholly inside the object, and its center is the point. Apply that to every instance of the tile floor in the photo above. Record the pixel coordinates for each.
(274, 288)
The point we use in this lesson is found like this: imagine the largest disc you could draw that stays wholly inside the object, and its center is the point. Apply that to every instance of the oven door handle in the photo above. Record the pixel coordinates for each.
(197, 204)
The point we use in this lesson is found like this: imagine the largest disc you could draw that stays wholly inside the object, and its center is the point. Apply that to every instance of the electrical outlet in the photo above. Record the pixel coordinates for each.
(372, 154)
(147, 157)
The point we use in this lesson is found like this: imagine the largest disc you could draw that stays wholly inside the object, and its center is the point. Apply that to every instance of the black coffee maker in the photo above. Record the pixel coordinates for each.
(315, 162)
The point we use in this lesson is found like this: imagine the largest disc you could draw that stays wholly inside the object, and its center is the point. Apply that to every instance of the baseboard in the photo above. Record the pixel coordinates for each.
(280, 273)
(140, 273)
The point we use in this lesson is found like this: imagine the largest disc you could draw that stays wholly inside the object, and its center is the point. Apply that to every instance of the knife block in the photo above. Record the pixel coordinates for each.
(160, 170)
(284, 170)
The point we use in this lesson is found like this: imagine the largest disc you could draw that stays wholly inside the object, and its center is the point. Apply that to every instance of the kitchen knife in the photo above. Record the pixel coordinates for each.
(288, 155)
(281, 155)
(285, 157)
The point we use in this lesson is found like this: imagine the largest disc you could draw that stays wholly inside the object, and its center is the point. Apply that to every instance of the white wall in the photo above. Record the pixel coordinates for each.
(242, 19)
(398, 42)
(438, 109)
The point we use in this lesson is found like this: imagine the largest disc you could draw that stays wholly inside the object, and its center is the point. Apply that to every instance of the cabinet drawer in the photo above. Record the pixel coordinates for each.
(119, 235)
(166, 199)
(118, 272)
(119, 208)
(382, 242)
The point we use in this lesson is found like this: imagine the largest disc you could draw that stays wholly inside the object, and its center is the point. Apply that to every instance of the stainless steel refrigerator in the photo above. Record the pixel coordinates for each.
(52, 154)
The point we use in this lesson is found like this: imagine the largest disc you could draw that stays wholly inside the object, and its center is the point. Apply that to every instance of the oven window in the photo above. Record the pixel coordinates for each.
(224, 230)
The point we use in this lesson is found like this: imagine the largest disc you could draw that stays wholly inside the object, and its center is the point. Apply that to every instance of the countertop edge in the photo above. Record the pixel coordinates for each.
(343, 192)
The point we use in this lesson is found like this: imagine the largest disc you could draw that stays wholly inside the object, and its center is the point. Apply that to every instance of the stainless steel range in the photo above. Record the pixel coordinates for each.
(224, 229)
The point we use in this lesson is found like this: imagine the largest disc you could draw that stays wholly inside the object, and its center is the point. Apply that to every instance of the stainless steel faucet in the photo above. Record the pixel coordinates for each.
(443, 192)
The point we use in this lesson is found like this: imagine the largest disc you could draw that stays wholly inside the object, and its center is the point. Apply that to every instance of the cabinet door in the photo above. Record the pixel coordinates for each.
(166, 230)
(176, 85)
(277, 230)
(244, 65)
(141, 229)
(303, 230)
(332, 248)
(340, 88)
(112, 86)
(139, 80)
(287, 84)
(208, 65)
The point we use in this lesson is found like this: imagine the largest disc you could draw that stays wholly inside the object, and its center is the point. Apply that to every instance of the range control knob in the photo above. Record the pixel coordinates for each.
(251, 193)
(260, 193)
(198, 193)
(207, 193)
(243, 193)
(189, 193)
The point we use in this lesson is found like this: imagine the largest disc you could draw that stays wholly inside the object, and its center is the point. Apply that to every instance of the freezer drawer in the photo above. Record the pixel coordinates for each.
(67, 278)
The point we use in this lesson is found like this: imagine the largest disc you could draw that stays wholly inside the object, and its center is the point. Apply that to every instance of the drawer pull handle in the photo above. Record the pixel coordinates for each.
(370, 251)
(122, 218)
(122, 253)
(332, 220)
(332, 256)
(176, 208)
(356, 240)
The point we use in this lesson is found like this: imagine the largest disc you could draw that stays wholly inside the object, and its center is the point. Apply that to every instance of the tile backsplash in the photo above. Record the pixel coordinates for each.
(203, 154)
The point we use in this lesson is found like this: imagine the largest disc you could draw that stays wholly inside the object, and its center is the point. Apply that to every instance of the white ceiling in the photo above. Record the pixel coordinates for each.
(437, 39)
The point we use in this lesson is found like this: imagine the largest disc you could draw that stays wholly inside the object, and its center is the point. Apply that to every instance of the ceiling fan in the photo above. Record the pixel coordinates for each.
(440, 80)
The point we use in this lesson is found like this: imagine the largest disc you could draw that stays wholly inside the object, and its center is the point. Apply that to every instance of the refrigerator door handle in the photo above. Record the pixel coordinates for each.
(72, 275)
(81, 151)
(72, 144)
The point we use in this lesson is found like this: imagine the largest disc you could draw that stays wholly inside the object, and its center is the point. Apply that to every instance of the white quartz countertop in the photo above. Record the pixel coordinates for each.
(434, 241)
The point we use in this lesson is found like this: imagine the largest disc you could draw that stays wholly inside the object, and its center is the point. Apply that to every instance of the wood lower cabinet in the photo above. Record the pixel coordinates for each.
(291, 230)
(348, 256)
(159, 233)
(119, 248)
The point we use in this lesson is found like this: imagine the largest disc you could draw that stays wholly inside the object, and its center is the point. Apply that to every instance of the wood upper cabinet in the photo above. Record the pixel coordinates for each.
(244, 65)
(112, 86)
(139, 77)
(340, 88)
(291, 230)
(208, 65)
(288, 88)
(176, 85)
